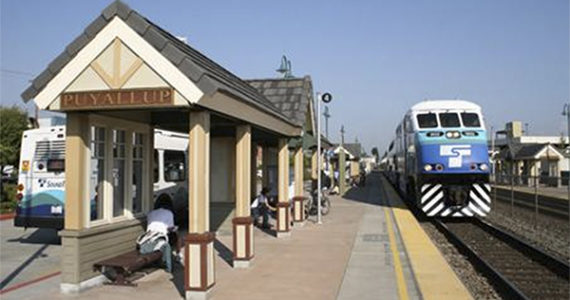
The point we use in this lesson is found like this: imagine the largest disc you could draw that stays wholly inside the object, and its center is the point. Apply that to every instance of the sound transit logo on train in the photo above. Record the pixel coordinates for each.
(117, 99)
(455, 153)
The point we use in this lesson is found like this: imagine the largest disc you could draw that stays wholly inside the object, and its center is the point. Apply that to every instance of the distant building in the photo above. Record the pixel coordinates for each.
(515, 154)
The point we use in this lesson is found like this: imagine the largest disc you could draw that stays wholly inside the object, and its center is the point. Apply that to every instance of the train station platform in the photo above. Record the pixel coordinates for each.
(368, 247)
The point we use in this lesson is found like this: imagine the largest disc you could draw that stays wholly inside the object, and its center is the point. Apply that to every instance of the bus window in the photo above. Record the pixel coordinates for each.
(155, 168)
(449, 120)
(56, 165)
(470, 120)
(427, 120)
(174, 165)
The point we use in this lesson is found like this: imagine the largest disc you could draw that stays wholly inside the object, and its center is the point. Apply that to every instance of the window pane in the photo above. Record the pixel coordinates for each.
(470, 120)
(427, 120)
(118, 187)
(174, 166)
(97, 175)
(118, 179)
(449, 120)
(137, 172)
(155, 167)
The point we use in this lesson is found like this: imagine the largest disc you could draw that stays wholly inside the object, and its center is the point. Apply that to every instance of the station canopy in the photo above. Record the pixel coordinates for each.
(120, 48)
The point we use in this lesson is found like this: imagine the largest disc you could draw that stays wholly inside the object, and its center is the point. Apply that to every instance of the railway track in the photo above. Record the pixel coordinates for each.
(517, 269)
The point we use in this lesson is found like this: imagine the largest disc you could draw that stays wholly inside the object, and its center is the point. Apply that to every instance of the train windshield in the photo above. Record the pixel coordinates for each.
(427, 120)
(449, 120)
(470, 120)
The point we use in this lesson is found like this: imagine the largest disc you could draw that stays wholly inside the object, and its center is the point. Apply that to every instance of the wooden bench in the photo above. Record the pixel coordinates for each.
(125, 264)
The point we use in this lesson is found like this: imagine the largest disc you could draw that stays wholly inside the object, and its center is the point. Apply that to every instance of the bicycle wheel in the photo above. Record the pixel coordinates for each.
(325, 206)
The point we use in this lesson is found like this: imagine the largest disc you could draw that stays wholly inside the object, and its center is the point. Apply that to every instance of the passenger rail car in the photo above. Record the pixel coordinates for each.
(439, 158)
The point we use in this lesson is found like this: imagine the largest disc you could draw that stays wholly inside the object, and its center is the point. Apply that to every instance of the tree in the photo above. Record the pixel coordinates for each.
(13, 121)
(375, 153)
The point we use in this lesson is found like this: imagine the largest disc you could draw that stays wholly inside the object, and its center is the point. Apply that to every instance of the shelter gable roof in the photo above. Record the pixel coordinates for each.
(205, 73)
(290, 95)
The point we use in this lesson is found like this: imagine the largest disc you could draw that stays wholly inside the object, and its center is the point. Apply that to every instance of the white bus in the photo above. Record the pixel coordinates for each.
(41, 179)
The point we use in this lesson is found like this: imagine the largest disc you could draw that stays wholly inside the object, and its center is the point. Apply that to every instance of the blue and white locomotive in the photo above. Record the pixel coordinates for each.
(439, 158)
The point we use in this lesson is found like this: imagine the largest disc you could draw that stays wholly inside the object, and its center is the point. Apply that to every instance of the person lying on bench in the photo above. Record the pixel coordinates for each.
(159, 229)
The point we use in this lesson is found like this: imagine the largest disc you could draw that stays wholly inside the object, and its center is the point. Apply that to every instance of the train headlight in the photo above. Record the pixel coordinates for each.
(453, 134)
(483, 167)
(439, 167)
(428, 168)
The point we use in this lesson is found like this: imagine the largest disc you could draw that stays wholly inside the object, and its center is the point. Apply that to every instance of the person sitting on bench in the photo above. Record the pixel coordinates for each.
(160, 233)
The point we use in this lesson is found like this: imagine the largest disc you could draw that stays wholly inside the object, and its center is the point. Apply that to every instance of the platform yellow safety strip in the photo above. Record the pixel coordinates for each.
(435, 278)
(402, 288)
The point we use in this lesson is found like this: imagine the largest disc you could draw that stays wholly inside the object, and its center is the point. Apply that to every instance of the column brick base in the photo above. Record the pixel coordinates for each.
(298, 209)
(283, 228)
(199, 264)
(242, 241)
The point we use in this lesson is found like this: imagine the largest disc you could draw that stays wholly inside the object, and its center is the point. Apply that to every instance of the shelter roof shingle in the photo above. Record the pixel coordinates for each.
(290, 95)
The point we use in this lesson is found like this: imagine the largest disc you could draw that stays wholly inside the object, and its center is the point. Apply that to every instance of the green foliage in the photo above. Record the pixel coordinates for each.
(8, 198)
(375, 151)
(13, 121)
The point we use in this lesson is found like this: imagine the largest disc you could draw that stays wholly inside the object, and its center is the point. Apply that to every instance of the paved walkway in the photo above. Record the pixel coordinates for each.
(356, 253)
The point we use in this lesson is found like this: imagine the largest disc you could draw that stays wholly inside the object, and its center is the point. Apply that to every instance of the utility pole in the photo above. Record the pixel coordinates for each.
(341, 164)
(326, 98)
(327, 116)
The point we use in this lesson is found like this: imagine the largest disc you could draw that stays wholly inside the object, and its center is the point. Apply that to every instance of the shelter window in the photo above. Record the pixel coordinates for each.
(97, 176)
(155, 166)
(449, 120)
(138, 161)
(174, 165)
(427, 120)
(470, 120)
(118, 175)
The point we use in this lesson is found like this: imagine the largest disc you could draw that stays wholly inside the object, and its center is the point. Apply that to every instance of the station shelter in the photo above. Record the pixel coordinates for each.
(119, 80)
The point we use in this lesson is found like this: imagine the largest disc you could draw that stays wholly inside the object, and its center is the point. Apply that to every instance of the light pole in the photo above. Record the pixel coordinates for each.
(566, 112)
(326, 97)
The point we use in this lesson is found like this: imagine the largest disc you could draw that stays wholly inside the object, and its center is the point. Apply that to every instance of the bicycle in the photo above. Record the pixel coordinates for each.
(312, 203)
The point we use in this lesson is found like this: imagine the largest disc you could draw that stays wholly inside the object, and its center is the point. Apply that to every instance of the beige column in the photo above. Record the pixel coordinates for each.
(77, 161)
(242, 223)
(314, 166)
(298, 208)
(283, 188)
(199, 244)
(76, 198)
(354, 168)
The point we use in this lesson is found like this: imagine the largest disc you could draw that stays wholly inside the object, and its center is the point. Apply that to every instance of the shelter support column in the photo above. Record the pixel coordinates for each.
(298, 208)
(76, 198)
(314, 165)
(199, 244)
(283, 188)
(76, 155)
(242, 223)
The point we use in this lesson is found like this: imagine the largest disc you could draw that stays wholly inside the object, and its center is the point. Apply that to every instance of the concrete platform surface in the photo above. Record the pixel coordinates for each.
(357, 253)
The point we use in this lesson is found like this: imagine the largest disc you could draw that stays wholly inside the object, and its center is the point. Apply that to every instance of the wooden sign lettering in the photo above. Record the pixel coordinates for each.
(117, 99)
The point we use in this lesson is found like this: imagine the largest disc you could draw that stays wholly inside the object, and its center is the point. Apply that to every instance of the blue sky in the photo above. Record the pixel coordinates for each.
(377, 58)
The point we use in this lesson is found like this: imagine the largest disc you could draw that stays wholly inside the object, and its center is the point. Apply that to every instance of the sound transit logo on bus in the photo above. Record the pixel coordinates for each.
(455, 153)
(117, 99)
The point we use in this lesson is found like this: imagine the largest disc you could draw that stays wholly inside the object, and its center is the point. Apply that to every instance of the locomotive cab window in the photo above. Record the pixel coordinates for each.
(449, 120)
(427, 120)
(470, 120)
